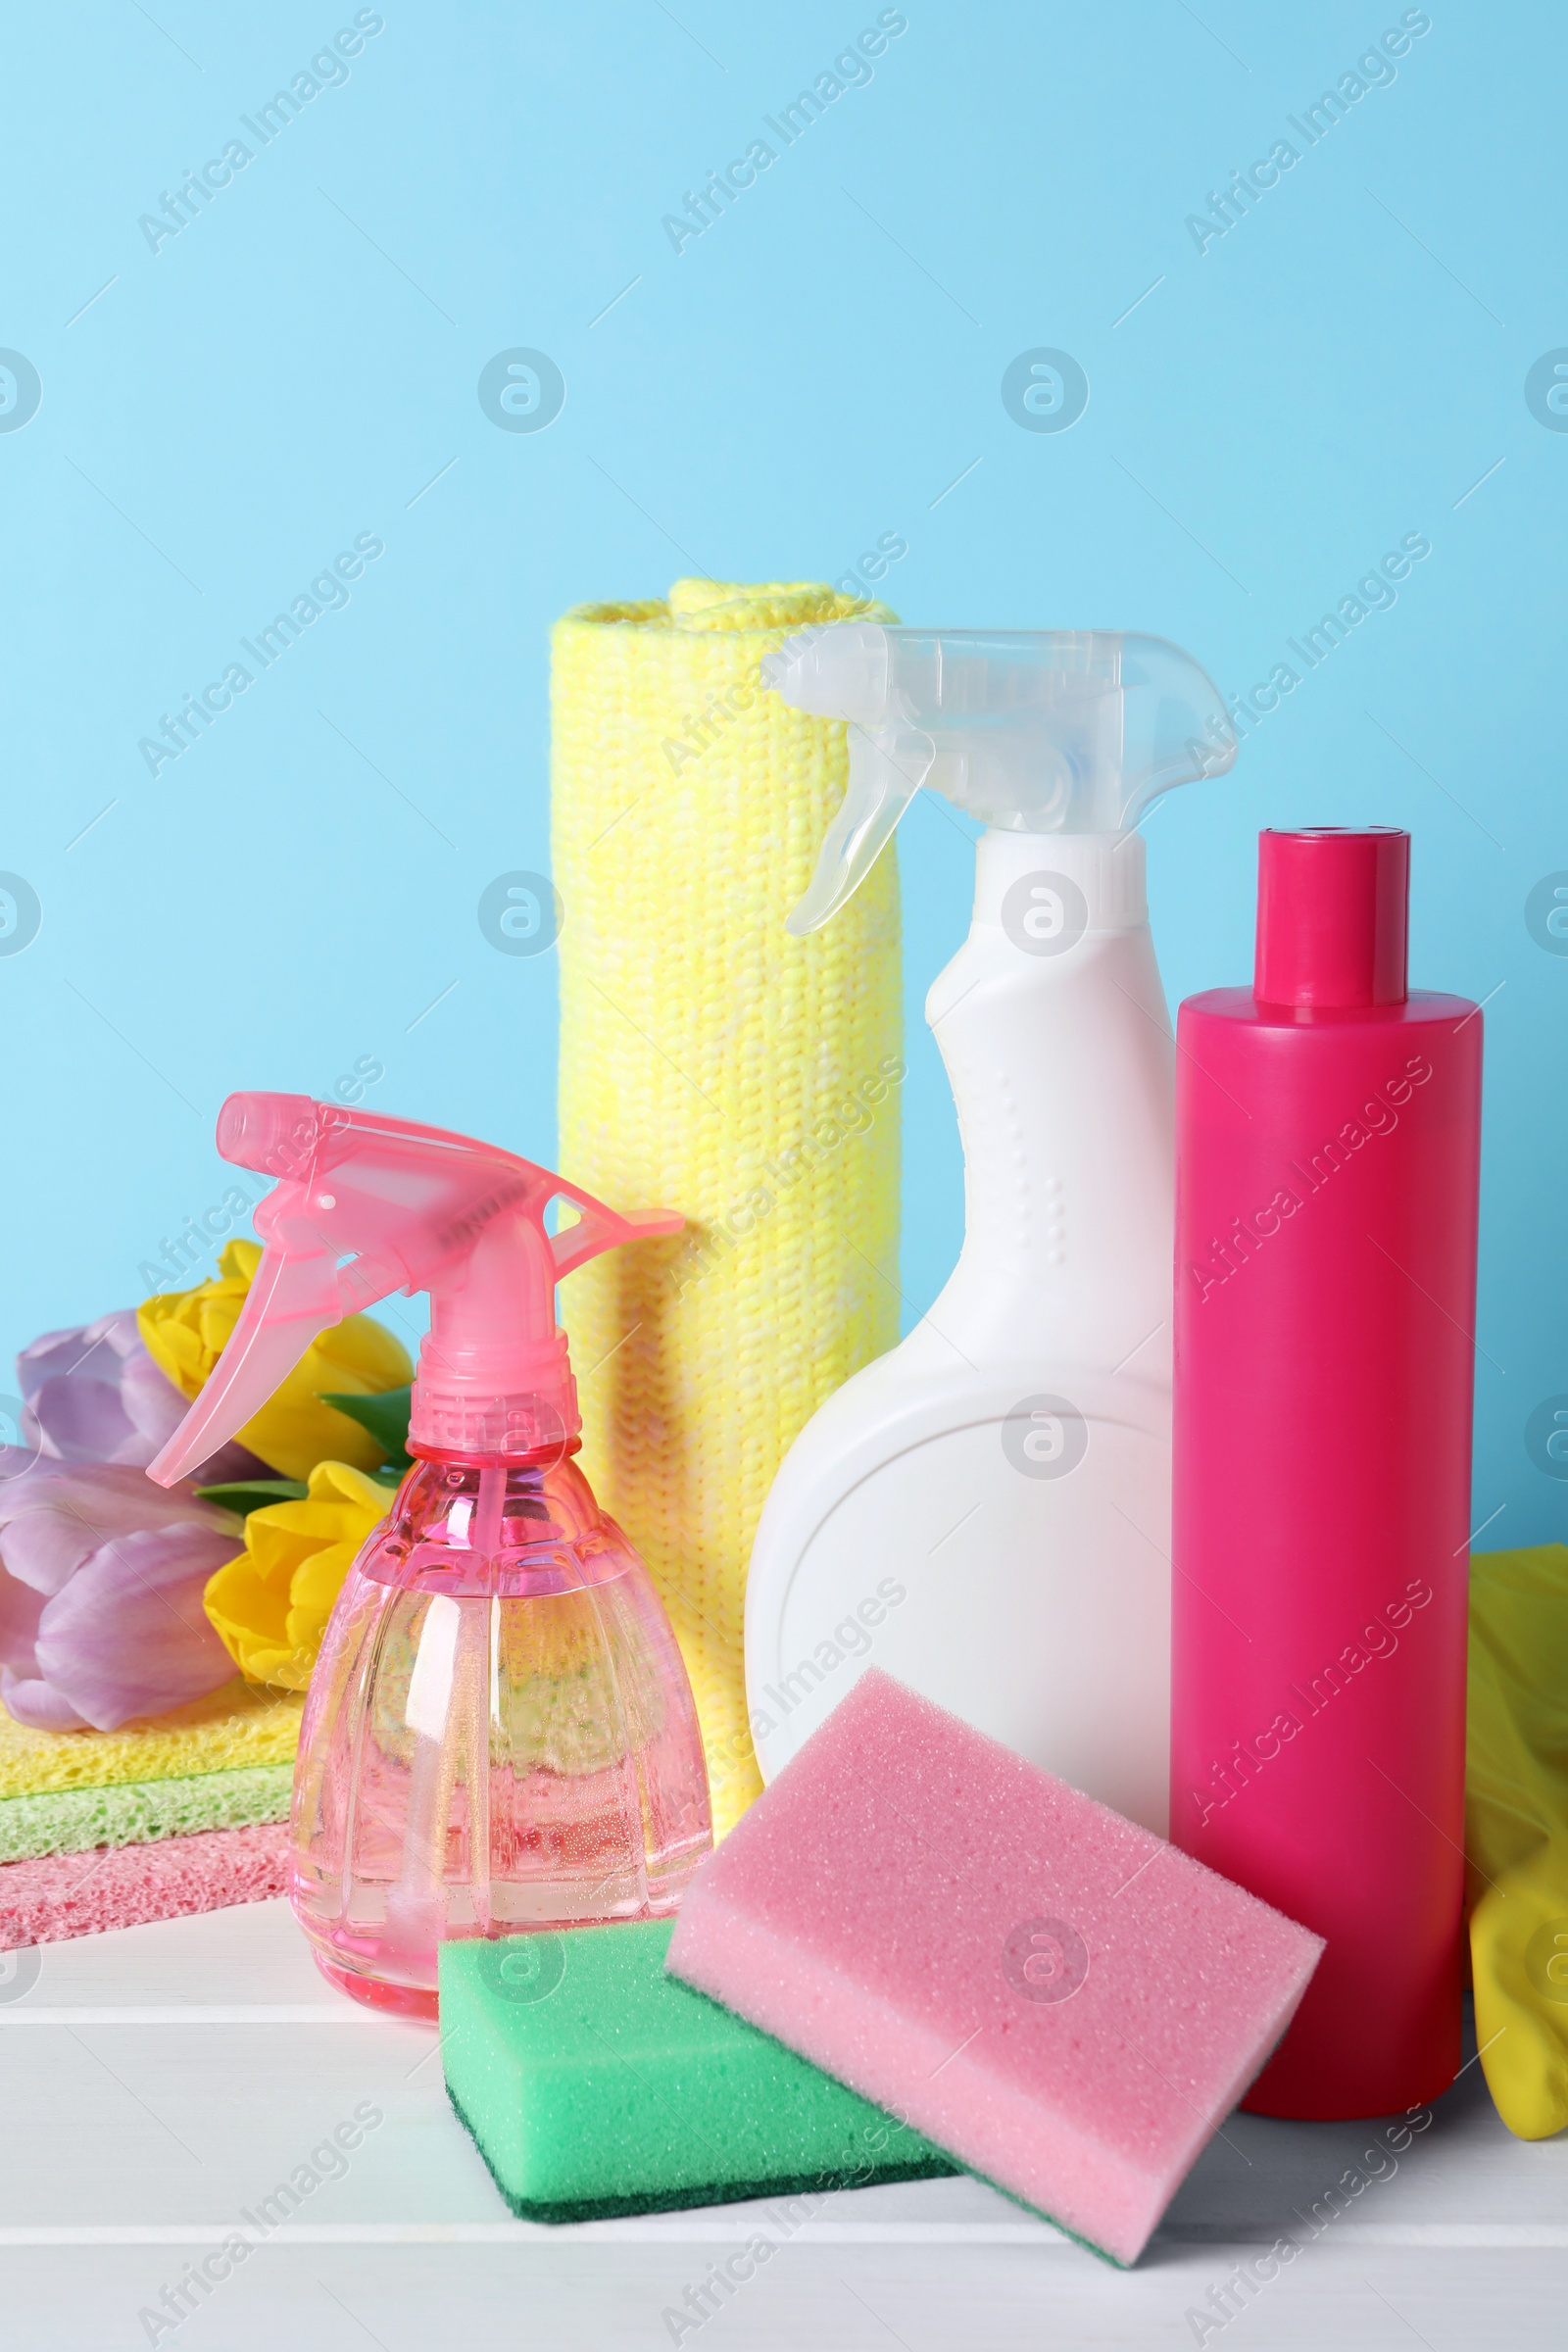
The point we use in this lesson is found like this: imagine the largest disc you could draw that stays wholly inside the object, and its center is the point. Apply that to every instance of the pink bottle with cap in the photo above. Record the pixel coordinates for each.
(500, 1734)
(1327, 1152)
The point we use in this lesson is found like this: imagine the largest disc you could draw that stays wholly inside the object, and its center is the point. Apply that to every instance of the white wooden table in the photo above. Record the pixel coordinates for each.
(158, 2085)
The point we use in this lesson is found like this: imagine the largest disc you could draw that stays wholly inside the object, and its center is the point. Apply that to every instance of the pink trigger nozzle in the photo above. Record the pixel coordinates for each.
(364, 1206)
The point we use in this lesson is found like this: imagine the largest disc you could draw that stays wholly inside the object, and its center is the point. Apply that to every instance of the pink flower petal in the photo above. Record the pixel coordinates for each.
(34, 1704)
(104, 1495)
(129, 1634)
(155, 1406)
(94, 1346)
(71, 1382)
(95, 1395)
(21, 1607)
(54, 1515)
(44, 1546)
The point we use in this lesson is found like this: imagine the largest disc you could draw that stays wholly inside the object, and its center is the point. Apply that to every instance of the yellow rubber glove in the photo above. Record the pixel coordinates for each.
(1516, 1831)
(186, 1332)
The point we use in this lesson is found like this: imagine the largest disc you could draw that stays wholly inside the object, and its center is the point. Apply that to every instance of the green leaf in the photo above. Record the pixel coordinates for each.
(386, 1417)
(249, 1494)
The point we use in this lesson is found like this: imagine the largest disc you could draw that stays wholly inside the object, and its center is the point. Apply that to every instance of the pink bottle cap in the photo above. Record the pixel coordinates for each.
(1333, 914)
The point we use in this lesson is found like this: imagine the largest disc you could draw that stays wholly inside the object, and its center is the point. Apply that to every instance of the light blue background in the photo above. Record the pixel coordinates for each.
(1339, 369)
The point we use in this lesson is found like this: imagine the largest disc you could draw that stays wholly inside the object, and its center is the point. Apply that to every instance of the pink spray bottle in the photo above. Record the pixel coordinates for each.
(500, 1734)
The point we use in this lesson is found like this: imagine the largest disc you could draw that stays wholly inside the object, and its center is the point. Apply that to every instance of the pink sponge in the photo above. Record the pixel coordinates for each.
(60, 1896)
(1062, 2003)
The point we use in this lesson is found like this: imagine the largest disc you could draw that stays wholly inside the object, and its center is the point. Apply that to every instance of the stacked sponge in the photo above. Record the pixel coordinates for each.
(111, 1829)
(919, 1953)
(594, 2084)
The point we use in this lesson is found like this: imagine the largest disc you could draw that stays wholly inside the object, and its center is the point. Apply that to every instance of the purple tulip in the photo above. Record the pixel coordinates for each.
(95, 1395)
(101, 1581)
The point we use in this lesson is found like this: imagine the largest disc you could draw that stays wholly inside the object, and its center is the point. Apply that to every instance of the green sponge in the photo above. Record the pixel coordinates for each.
(72, 1820)
(595, 2085)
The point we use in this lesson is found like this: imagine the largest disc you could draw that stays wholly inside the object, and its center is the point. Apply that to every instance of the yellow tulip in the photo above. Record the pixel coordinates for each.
(270, 1605)
(186, 1331)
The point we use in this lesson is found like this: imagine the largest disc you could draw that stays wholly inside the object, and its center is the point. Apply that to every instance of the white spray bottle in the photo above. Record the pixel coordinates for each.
(985, 1510)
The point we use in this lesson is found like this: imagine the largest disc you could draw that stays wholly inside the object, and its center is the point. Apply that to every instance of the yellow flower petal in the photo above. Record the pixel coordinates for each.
(186, 1331)
(245, 1601)
(276, 1549)
(316, 1587)
(270, 1608)
(338, 1483)
(251, 1618)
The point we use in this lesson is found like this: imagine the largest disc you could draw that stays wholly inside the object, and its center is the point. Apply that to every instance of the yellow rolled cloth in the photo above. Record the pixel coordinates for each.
(712, 1064)
(1516, 1831)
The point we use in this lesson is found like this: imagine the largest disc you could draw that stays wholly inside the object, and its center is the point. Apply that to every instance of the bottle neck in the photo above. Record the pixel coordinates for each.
(1053, 1025)
(1333, 919)
(1019, 879)
(459, 1412)
(540, 1457)
(494, 1382)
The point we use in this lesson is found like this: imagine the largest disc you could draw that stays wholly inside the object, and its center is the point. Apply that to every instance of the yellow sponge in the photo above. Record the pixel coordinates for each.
(712, 1064)
(235, 1726)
